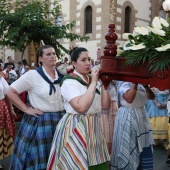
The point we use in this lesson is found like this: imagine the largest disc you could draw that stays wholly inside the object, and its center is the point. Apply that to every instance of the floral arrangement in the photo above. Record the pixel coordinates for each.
(150, 43)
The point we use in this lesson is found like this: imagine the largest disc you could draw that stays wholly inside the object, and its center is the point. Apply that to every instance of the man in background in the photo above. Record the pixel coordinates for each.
(11, 61)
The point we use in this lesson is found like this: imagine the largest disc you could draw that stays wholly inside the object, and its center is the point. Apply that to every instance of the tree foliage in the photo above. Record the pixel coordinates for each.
(28, 21)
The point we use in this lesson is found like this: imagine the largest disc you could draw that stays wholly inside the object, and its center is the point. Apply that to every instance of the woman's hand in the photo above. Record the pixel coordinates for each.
(164, 105)
(95, 75)
(12, 112)
(158, 105)
(33, 112)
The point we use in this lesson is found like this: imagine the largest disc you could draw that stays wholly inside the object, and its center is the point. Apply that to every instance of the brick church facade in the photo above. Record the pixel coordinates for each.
(92, 19)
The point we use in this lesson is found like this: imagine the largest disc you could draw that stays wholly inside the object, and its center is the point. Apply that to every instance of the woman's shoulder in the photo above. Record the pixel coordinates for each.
(31, 73)
(70, 81)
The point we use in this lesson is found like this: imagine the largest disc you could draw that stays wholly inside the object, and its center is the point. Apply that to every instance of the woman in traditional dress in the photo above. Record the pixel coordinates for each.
(132, 141)
(107, 117)
(157, 113)
(33, 142)
(168, 153)
(78, 141)
(7, 122)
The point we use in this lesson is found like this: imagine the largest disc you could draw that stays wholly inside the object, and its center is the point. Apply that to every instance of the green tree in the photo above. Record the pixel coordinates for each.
(28, 21)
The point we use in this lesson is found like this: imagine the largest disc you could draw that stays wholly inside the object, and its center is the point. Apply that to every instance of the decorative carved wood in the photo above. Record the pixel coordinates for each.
(113, 68)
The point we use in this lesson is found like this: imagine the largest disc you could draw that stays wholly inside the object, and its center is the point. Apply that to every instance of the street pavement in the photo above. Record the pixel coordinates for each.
(159, 158)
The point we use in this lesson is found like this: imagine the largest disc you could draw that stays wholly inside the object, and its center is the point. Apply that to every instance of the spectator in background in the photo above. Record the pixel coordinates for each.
(36, 65)
(24, 61)
(92, 63)
(5, 73)
(66, 60)
(20, 68)
(1, 68)
(10, 74)
(97, 62)
(2, 64)
(11, 61)
(26, 69)
(157, 114)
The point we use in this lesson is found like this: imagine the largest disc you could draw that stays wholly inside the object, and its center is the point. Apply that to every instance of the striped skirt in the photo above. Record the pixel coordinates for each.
(7, 130)
(33, 142)
(78, 143)
(132, 133)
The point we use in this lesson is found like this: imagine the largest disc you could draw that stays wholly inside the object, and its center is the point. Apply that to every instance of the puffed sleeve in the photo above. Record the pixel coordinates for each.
(71, 89)
(25, 82)
(124, 87)
(4, 84)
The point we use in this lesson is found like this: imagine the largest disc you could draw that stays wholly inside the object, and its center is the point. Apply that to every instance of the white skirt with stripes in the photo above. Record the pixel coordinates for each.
(132, 133)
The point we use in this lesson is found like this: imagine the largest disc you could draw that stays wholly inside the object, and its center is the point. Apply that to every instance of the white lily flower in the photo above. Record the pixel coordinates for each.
(119, 51)
(158, 22)
(141, 30)
(126, 35)
(134, 33)
(131, 42)
(166, 5)
(164, 22)
(134, 47)
(163, 48)
(157, 31)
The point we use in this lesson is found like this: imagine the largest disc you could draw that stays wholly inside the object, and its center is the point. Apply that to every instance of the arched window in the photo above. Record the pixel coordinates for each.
(127, 19)
(88, 19)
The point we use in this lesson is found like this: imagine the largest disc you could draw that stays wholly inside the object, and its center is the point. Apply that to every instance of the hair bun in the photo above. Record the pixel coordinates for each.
(71, 50)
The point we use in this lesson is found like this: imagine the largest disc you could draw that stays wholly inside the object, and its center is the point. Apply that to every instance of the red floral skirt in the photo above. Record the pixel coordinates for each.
(7, 130)
(7, 119)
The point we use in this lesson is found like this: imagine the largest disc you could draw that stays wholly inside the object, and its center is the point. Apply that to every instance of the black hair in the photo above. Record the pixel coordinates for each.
(9, 57)
(24, 61)
(41, 49)
(9, 64)
(75, 53)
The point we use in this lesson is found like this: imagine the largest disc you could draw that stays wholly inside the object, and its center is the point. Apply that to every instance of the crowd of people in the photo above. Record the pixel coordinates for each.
(70, 121)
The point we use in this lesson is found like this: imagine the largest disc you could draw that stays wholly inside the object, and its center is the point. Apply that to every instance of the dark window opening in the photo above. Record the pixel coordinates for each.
(88, 19)
(127, 19)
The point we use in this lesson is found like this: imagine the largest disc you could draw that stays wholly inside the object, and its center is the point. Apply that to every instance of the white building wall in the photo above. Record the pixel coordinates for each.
(82, 2)
(65, 10)
(9, 52)
(143, 7)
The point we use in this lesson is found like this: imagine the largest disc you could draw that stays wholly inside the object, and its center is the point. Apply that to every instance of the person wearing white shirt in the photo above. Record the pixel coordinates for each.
(7, 122)
(132, 137)
(78, 137)
(33, 142)
(10, 73)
